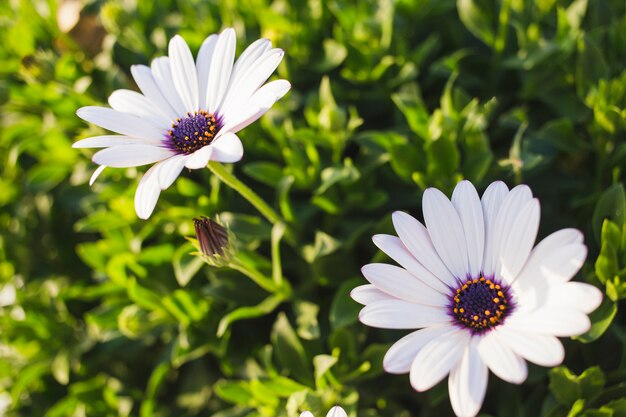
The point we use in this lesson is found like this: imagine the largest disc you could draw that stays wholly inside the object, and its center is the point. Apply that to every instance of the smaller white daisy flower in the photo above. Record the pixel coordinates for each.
(188, 113)
(481, 296)
(336, 411)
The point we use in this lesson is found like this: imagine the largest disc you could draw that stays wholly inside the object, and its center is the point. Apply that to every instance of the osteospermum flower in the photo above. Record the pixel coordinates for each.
(482, 296)
(336, 411)
(188, 113)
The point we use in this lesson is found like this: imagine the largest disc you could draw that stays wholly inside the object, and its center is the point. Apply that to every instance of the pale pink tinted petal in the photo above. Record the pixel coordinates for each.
(468, 383)
(501, 359)
(417, 240)
(184, 73)
(256, 106)
(446, 232)
(132, 102)
(162, 73)
(401, 354)
(581, 296)
(95, 174)
(399, 283)
(203, 63)
(243, 68)
(170, 170)
(518, 241)
(491, 202)
(366, 294)
(507, 213)
(220, 69)
(200, 158)
(148, 86)
(119, 122)
(336, 411)
(147, 193)
(538, 348)
(398, 314)
(246, 86)
(557, 321)
(435, 360)
(227, 148)
(131, 155)
(115, 140)
(555, 259)
(395, 249)
(467, 204)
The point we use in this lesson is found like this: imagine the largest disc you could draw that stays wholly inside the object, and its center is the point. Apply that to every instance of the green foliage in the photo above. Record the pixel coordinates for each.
(102, 314)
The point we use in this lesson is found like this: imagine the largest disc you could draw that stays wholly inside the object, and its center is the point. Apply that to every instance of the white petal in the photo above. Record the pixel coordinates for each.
(147, 193)
(119, 122)
(417, 240)
(556, 321)
(246, 86)
(170, 170)
(545, 270)
(306, 414)
(244, 66)
(220, 69)
(95, 174)
(336, 411)
(507, 213)
(203, 63)
(398, 314)
(446, 232)
(435, 360)
(468, 383)
(256, 106)
(227, 148)
(399, 283)
(541, 349)
(132, 102)
(200, 158)
(467, 204)
(116, 140)
(555, 259)
(518, 241)
(148, 86)
(367, 294)
(501, 359)
(162, 73)
(401, 354)
(131, 155)
(184, 73)
(491, 202)
(581, 296)
(396, 250)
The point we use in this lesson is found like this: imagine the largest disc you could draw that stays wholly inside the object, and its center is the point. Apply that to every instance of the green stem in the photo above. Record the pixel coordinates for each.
(246, 192)
(258, 278)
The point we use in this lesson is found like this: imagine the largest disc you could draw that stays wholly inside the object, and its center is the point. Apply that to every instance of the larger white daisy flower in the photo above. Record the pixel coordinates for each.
(188, 114)
(481, 295)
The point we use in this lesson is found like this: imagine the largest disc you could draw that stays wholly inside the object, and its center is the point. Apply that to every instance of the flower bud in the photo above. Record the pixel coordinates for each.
(215, 243)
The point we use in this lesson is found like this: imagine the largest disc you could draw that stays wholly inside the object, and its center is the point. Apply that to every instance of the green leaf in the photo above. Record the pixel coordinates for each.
(289, 350)
(601, 319)
(569, 388)
(611, 205)
(478, 17)
(267, 173)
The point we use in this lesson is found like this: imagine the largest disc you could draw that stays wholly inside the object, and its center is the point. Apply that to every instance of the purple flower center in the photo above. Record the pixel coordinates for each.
(480, 304)
(193, 132)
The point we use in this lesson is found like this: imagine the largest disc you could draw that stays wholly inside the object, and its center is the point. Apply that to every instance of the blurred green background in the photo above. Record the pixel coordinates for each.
(102, 314)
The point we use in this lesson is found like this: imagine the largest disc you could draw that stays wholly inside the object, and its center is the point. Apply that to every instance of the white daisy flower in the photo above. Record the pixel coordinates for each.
(481, 296)
(188, 113)
(336, 411)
